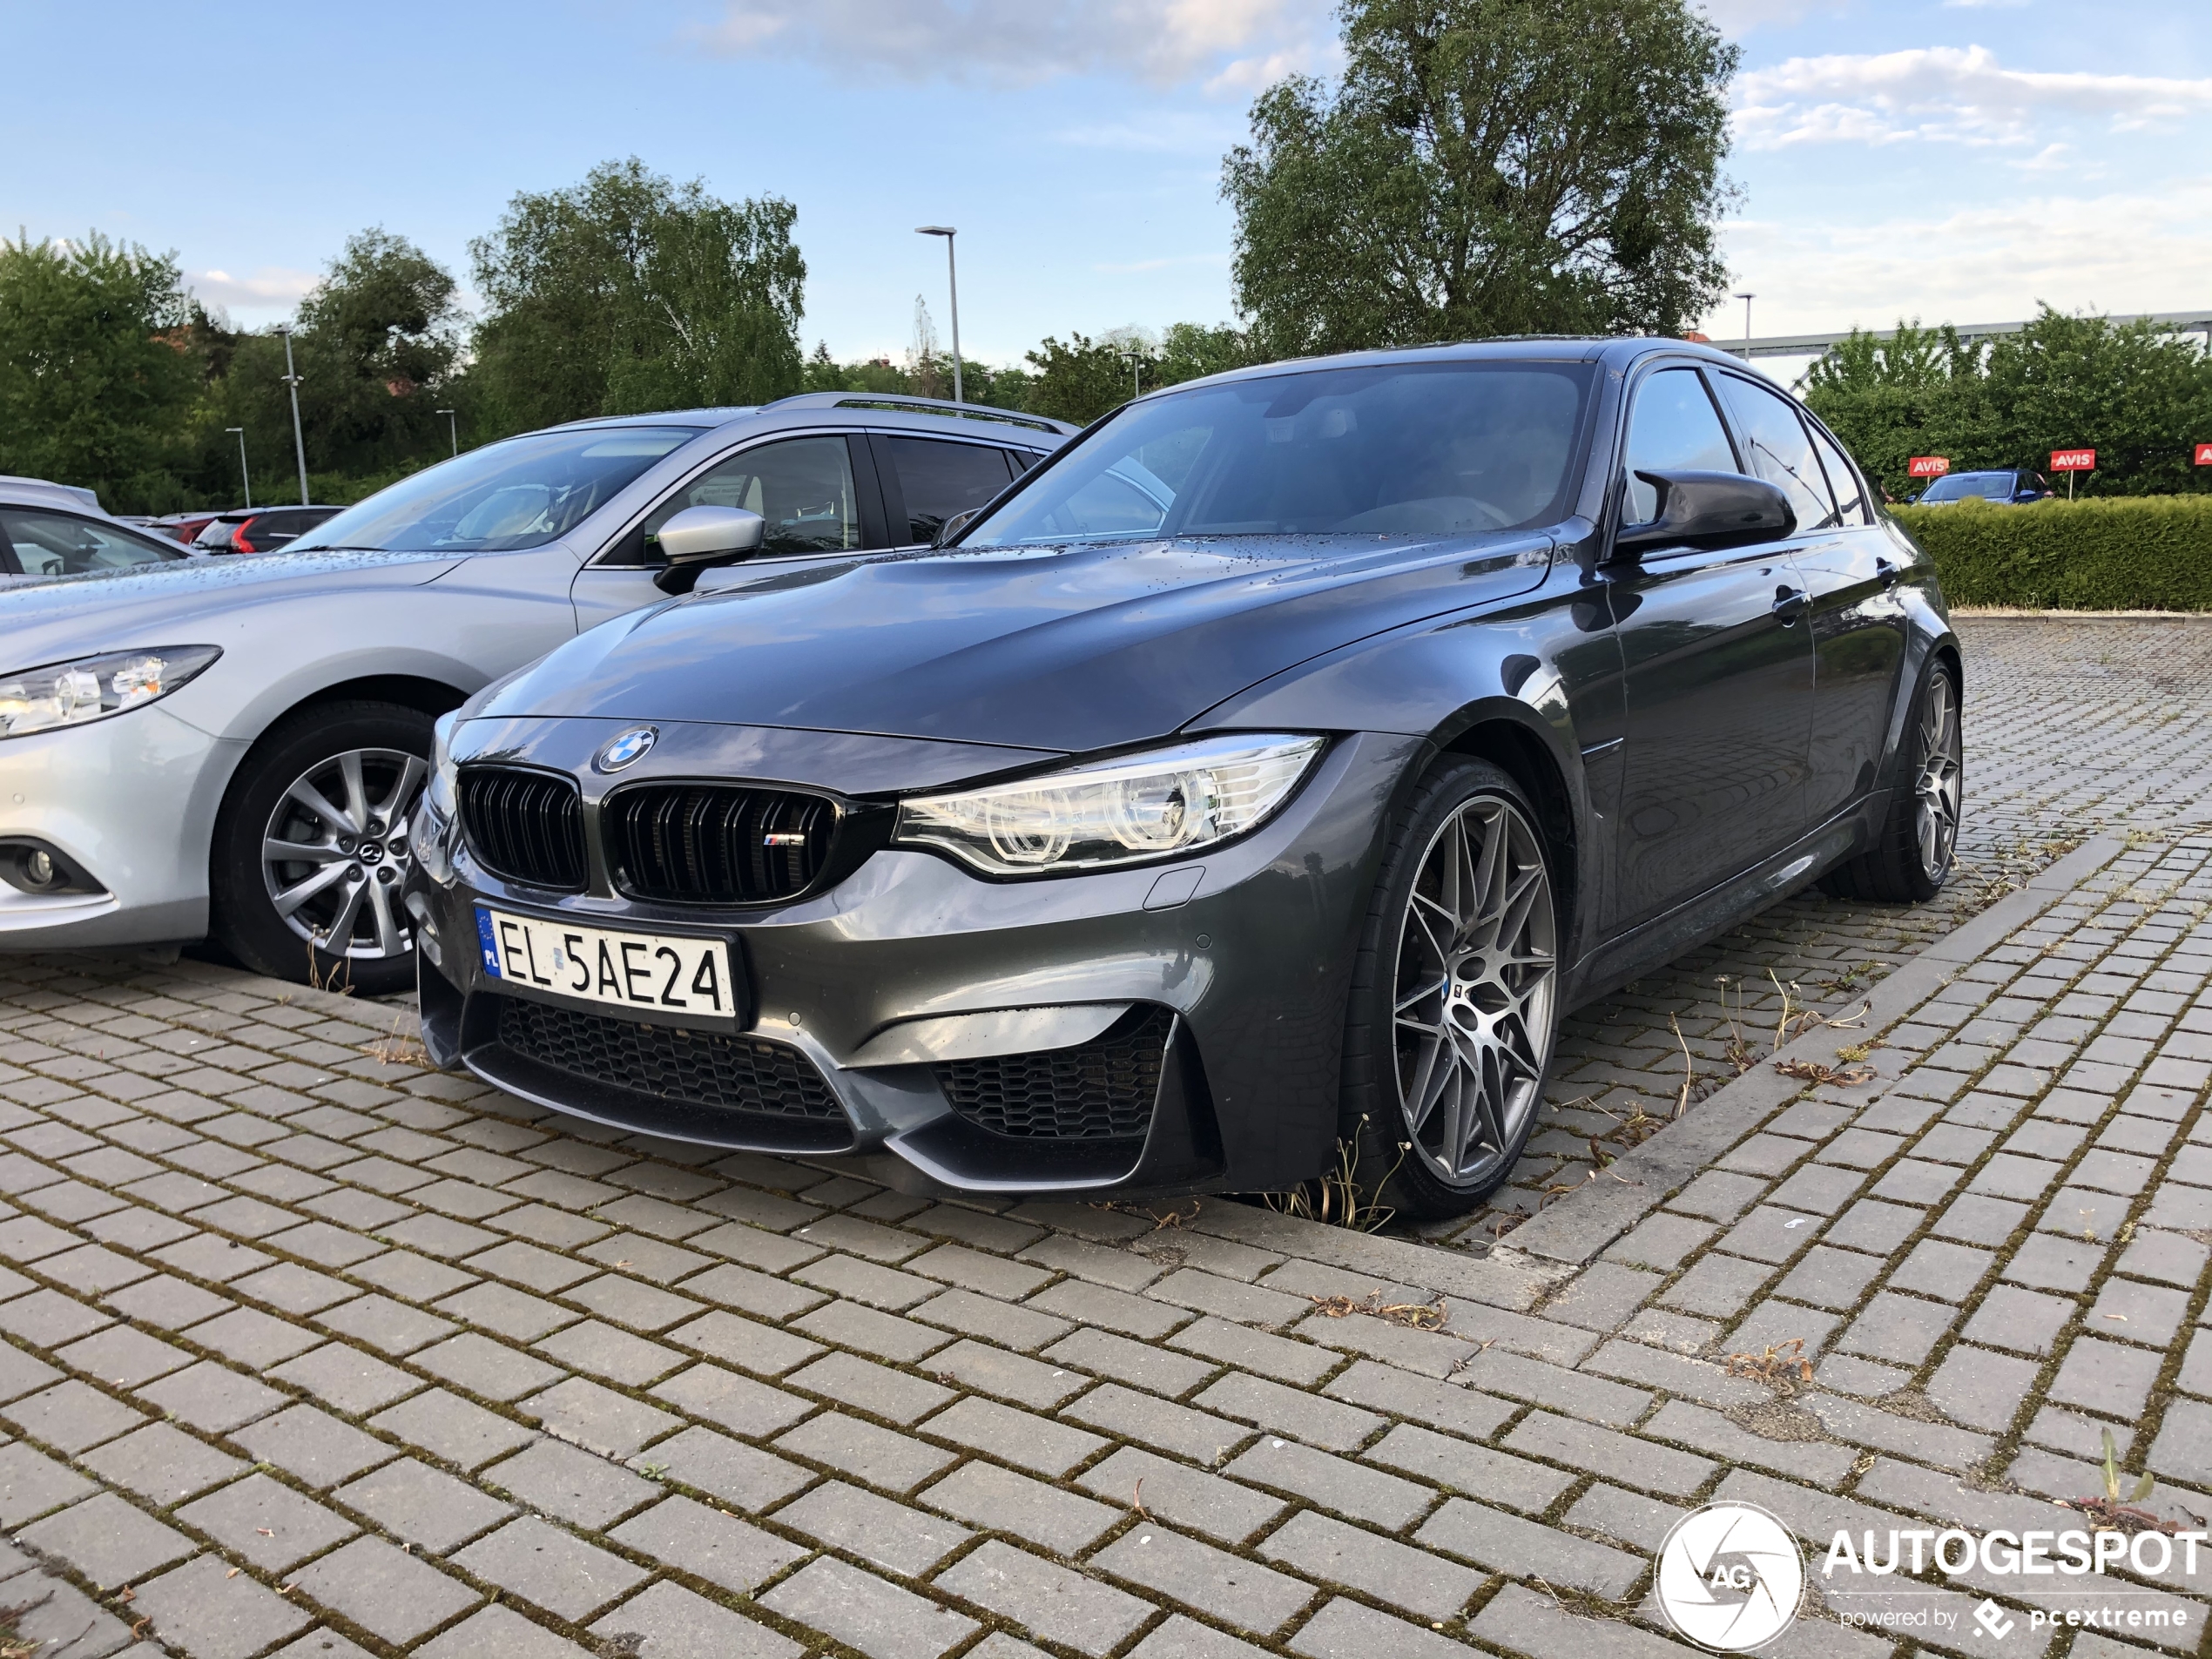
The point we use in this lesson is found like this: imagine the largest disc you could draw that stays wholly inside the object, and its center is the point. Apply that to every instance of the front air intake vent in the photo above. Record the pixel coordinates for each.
(1099, 1090)
(524, 827)
(716, 843)
(698, 1067)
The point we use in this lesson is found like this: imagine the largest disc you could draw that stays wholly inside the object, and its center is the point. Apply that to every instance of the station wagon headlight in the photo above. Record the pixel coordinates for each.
(91, 688)
(1124, 810)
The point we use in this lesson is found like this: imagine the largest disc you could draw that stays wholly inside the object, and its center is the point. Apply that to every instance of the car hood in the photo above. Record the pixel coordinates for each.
(1065, 648)
(44, 619)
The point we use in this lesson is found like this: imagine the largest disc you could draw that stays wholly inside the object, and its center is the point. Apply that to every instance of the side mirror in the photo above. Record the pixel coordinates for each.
(950, 529)
(1710, 510)
(700, 538)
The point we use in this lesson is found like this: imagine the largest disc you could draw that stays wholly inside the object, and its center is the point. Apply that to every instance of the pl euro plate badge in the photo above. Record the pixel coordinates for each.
(673, 976)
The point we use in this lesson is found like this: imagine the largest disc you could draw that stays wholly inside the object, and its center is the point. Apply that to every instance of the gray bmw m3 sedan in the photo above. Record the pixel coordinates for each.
(1271, 766)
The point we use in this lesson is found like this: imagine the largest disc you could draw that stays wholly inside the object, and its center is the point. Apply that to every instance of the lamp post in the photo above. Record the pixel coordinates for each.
(244, 478)
(952, 281)
(1136, 369)
(453, 427)
(291, 380)
(1747, 298)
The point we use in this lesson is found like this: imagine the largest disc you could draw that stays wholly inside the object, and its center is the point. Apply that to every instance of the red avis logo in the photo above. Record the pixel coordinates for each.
(2073, 460)
(1936, 466)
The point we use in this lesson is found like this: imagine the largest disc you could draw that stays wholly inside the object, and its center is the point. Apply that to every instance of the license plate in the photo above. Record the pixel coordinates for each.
(662, 974)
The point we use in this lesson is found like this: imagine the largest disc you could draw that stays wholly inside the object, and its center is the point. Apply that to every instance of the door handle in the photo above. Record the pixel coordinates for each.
(1886, 571)
(1790, 604)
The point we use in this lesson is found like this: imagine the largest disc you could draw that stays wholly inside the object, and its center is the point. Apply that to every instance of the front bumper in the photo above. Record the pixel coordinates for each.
(903, 983)
(132, 801)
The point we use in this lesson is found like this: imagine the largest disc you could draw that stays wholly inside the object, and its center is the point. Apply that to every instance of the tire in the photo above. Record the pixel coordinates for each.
(337, 783)
(1912, 854)
(1439, 1108)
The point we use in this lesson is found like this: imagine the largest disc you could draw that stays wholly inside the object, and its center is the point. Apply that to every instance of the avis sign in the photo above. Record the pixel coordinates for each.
(2073, 460)
(1936, 466)
(2204, 454)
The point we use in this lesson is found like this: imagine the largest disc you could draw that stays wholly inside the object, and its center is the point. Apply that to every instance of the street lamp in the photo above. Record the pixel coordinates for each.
(291, 380)
(1136, 361)
(243, 478)
(1747, 298)
(952, 280)
(453, 427)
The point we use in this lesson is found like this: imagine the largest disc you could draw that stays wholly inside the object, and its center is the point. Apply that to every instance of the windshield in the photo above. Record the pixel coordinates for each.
(1989, 486)
(1389, 449)
(523, 492)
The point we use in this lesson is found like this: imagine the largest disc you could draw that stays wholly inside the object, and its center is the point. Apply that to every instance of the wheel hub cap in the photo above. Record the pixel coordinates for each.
(335, 852)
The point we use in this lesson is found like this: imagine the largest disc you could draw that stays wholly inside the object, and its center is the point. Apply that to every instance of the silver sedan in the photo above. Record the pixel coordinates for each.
(232, 747)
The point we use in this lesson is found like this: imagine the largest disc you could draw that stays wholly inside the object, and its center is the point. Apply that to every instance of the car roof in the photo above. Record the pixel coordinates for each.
(38, 492)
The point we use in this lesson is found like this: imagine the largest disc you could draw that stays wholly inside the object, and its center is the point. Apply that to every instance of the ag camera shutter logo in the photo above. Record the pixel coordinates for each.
(1730, 1577)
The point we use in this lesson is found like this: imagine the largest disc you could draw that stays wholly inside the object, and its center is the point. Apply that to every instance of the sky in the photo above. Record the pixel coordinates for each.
(1952, 160)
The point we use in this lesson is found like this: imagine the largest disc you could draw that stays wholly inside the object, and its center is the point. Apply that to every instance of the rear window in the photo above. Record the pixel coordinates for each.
(1381, 450)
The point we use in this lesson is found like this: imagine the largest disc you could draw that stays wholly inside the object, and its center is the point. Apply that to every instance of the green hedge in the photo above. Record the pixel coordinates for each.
(2123, 553)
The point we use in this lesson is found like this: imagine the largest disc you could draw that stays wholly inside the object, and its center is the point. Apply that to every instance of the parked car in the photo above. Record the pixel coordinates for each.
(263, 795)
(182, 527)
(56, 529)
(260, 530)
(2010, 486)
(1270, 769)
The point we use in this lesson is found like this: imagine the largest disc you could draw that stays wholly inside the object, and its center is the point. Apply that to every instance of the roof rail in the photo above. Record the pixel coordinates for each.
(899, 403)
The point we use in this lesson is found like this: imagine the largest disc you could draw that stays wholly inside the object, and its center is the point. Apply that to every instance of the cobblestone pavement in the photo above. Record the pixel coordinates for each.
(2069, 726)
(309, 1351)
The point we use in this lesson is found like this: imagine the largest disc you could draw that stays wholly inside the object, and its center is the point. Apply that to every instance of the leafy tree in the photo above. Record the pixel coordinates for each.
(1486, 167)
(1081, 379)
(628, 293)
(96, 368)
(2138, 394)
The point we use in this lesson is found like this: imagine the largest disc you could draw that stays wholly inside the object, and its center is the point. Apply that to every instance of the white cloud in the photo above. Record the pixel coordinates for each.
(1227, 45)
(2123, 253)
(270, 288)
(1742, 16)
(1946, 94)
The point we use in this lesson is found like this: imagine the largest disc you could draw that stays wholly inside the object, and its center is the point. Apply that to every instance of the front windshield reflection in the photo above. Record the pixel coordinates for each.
(1448, 448)
(523, 492)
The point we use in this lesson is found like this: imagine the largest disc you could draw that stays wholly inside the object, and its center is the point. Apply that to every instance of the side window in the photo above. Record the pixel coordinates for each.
(939, 479)
(1022, 460)
(803, 487)
(1843, 479)
(60, 544)
(1781, 452)
(1674, 428)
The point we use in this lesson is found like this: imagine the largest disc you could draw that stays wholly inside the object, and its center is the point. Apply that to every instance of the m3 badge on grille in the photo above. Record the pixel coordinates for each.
(619, 752)
(783, 838)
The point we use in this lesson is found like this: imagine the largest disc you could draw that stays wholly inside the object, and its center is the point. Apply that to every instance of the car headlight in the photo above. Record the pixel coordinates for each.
(1124, 810)
(445, 777)
(91, 688)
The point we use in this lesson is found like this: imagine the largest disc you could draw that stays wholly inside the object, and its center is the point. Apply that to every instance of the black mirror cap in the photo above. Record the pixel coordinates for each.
(1709, 509)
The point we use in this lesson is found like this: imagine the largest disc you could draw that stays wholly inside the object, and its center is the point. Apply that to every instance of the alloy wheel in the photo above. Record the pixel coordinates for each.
(335, 853)
(1942, 772)
(1476, 980)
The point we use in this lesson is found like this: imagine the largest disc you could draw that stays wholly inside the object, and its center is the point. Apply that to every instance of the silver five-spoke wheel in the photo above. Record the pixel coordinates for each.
(335, 853)
(1476, 979)
(1937, 788)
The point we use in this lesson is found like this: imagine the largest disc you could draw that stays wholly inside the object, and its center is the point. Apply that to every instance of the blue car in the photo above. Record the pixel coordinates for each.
(2004, 487)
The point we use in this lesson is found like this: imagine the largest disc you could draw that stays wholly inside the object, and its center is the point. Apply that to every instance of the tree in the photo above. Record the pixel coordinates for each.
(628, 293)
(96, 366)
(1486, 167)
(2138, 394)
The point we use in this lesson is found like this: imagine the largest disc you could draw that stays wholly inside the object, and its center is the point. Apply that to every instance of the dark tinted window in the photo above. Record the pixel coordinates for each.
(1969, 486)
(940, 479)
(803, 487)
(62, 544)
(1401, 448)
(1673, 428)
(1843, 480)
(1781, 451)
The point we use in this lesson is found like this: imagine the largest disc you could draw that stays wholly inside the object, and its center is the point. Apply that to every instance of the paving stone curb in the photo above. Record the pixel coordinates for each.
(1573, 1231)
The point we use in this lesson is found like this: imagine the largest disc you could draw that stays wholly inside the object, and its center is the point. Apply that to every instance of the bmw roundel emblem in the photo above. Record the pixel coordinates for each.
(630, 745)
